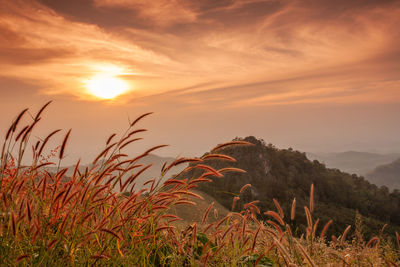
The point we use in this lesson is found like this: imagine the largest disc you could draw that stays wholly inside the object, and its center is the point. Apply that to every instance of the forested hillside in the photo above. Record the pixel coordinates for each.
(284, 174)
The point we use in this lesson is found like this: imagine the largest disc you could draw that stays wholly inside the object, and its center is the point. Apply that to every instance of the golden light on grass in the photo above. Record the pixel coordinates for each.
(87, 212)
(106, 86)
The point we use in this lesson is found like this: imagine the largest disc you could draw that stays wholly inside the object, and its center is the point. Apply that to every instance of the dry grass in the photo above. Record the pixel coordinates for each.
(49, 220)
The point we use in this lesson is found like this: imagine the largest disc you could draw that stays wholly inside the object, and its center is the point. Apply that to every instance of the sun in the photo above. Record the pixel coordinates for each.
(106, 86)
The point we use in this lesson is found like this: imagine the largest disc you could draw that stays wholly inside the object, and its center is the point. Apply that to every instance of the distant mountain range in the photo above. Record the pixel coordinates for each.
(360, 163)
(285, 173)
(388, 175)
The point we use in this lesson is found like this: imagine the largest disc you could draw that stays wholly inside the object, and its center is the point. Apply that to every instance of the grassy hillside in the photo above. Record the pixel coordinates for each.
(195, 212)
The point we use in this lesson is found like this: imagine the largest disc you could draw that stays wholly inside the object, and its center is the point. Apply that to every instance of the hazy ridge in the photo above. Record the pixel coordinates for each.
(387, 175)
(356, 162)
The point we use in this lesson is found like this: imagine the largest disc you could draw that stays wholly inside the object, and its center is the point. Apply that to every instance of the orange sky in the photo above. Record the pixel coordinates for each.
(316, 75)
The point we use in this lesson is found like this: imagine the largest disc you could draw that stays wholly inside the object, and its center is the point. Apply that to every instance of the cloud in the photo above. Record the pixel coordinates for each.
(161, 13)
(23, 56)
(242, 52)
(57, 53)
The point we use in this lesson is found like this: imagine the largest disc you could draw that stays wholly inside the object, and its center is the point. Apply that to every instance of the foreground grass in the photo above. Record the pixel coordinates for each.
(48, 219)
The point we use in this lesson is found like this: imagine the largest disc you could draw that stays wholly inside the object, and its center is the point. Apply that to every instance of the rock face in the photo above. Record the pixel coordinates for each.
(386, 175)
(284, 174)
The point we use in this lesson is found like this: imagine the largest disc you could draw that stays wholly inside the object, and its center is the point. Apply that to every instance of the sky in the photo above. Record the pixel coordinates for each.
(314, 75)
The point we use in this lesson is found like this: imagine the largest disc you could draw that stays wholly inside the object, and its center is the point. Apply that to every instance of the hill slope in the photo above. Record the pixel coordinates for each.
(153, 172)
(387, 175)
(194, 213)
(284, 174)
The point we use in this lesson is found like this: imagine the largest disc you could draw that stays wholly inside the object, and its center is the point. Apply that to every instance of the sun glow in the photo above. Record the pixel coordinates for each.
(106, 86)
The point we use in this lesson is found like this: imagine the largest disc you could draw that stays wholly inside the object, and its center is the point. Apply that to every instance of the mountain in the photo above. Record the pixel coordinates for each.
(284, 174)
(356, 162)
(387, 175)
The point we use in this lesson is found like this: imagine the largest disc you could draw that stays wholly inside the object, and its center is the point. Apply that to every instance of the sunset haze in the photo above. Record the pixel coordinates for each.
(318, 76)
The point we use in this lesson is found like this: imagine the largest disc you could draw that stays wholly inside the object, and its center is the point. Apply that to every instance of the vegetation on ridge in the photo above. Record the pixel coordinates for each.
(284, 174)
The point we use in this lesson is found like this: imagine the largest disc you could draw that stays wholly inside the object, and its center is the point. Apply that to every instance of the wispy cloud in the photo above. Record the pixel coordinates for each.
(160, 13)
(231, 52)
